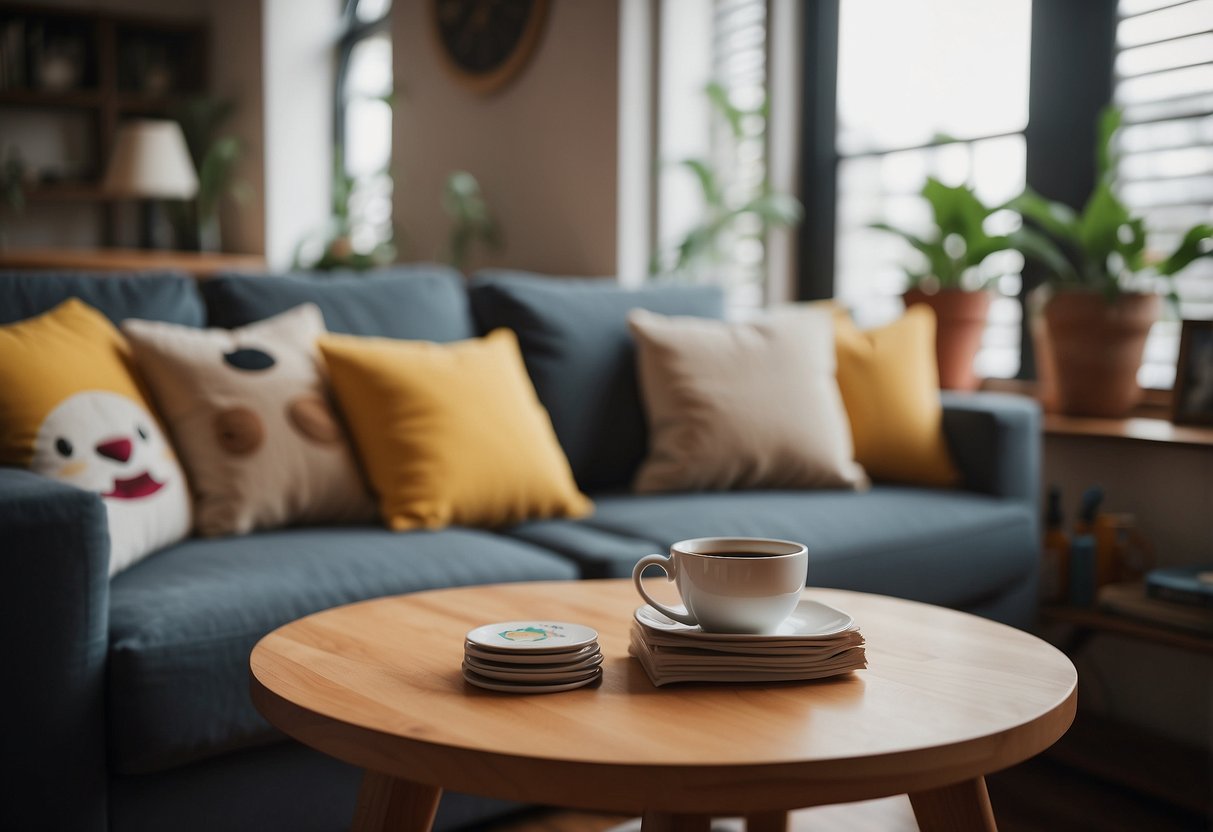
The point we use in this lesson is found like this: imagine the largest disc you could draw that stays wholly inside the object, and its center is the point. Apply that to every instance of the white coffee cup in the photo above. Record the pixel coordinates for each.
(731, 584)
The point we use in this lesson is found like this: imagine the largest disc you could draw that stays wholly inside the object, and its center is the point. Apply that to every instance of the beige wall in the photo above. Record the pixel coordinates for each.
(544, 148)
(236, 74)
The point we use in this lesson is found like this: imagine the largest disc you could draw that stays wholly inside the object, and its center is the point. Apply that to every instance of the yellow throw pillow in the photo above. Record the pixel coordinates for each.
(451, 433)
(890, 385)
(71, 410)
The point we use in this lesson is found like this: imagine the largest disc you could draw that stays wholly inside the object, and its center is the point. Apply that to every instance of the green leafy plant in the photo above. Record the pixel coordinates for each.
(472, 223)
(1105, 244)
(196, 221)
(705, 243)
(959, 242)
(333, 246)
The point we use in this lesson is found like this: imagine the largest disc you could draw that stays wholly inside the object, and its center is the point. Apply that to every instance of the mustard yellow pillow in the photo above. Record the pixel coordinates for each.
(71, 410)
(890, 386)
(451, 433)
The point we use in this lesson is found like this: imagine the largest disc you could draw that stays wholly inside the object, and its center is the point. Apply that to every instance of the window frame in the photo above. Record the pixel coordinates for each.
(1073, 50)
(353, 32)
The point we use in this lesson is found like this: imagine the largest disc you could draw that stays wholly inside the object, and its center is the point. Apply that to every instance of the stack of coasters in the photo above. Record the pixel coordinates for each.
(532, 656)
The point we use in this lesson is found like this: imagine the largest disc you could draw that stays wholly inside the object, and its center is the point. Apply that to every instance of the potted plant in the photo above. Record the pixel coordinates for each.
(730, 214)
(948, 281)
(472, 223)
(1104, 299)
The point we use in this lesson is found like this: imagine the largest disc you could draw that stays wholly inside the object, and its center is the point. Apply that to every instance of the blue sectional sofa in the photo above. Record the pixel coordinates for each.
(125, 705)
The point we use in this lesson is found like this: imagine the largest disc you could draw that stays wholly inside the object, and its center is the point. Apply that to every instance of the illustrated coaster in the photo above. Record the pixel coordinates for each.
(532, 636)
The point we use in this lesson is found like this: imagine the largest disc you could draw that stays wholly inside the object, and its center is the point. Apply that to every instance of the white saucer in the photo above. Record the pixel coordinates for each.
(485, 666)
(517, 657)
(505, 687)
(810, 619)
(532, 636)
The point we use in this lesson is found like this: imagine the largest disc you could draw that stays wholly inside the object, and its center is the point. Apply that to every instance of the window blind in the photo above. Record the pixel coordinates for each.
(1164, 84)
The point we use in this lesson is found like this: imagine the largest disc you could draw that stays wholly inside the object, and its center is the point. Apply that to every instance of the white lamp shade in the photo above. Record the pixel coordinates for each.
(151, 161)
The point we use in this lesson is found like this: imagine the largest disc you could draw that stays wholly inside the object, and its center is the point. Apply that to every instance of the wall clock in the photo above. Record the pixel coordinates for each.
(486, 43)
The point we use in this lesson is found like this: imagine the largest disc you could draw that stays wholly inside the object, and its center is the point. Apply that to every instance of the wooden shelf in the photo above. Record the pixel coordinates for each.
(1098, 621)
(196, 264)
(67, 192)
(1137, 429)
(68, 99)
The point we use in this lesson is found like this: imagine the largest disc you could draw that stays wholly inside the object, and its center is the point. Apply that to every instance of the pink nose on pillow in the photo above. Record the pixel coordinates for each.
(115, 449)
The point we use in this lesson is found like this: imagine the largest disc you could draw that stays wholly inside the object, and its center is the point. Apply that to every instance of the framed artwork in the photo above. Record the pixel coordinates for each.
(1193, 395)
(486, 43)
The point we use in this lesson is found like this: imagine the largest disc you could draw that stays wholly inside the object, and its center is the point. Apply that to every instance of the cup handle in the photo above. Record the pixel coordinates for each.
(669, 566)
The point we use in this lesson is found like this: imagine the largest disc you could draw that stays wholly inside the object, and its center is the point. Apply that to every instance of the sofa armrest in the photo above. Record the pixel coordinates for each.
(995, 441)
(54, 617)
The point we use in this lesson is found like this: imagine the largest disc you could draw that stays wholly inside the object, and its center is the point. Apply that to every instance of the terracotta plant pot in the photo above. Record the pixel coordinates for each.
(1096, 348)
(960, 318)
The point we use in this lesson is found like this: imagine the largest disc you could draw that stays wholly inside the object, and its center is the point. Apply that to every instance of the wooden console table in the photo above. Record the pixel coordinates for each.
(196, 264)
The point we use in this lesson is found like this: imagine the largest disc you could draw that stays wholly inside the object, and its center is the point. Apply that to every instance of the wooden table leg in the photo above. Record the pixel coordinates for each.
(963, 807)
(767, 822)
(389, 803)
(665, 822)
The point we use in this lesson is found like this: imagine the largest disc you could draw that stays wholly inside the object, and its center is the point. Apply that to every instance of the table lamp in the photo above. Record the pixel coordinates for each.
(150, 161)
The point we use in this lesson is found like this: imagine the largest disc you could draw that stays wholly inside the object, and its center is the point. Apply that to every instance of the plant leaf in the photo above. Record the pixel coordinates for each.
(1031, 243)
(1056, 218)
(707, 181)
(1100, 224)
(718, 96)
(1105, 151)
(1198, 242)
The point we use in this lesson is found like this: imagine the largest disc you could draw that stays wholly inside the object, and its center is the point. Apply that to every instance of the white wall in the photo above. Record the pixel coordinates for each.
(297, 61)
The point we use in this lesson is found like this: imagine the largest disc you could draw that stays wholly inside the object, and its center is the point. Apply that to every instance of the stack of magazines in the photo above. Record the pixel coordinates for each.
(815, 642)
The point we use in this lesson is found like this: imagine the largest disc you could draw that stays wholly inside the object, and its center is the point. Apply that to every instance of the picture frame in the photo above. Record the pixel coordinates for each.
(1192, 396)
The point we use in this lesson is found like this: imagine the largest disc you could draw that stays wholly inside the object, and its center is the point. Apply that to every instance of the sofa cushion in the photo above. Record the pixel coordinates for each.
(742, 404)
(951, 548)
(578, 350)
(183, 622)
(451, 434)
(250, 416)
(157, 296)
(424, 302)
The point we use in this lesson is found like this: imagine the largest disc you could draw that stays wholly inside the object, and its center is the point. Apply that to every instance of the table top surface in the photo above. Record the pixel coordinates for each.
(946, 695)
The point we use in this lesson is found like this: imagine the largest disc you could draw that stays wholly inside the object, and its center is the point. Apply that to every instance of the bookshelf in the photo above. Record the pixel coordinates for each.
(106, 66)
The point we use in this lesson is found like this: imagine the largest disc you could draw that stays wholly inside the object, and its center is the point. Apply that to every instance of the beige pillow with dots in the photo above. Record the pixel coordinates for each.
(250, 416)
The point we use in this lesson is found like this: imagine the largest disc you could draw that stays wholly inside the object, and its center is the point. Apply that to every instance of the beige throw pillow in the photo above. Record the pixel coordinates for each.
(742, 405)
(251, 419)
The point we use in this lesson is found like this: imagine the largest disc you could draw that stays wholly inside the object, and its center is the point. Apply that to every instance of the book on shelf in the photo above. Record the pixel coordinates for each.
(1191, 585)
(1133, 601)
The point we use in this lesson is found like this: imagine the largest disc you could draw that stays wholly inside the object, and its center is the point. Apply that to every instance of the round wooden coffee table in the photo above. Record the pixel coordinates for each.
(947, 698)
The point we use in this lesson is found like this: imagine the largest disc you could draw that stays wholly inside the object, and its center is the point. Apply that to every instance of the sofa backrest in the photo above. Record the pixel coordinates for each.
(157, 296)
(581, 357)
(423, 302)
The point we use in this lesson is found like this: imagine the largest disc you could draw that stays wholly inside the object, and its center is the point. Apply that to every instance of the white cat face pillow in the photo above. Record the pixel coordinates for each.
(107, 443)
(71, 409)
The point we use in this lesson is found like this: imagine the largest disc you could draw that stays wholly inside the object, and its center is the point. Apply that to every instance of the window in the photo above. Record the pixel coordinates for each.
(722, 41)
(1164, 83)
(909, 73)
(364, 123)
